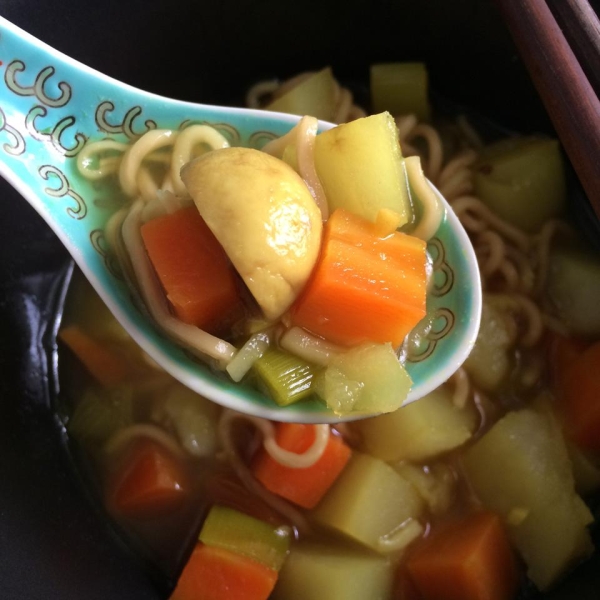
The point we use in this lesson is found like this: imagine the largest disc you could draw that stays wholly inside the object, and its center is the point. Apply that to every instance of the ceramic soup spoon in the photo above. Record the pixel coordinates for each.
(51, 107)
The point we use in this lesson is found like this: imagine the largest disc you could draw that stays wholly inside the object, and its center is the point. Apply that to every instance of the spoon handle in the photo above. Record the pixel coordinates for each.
(51, 106)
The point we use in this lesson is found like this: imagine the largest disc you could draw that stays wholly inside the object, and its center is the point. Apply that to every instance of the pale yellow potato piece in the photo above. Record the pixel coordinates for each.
(369, 503)
(520, 469)
(419, 431)
(329, 572)
(361, 168)
(265, 218)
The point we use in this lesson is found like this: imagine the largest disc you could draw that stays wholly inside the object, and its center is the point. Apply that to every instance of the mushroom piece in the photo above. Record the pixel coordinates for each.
(263, 215)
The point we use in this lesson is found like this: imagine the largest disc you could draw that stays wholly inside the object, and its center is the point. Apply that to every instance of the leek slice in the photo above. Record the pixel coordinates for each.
(285, 377)
(237, 532)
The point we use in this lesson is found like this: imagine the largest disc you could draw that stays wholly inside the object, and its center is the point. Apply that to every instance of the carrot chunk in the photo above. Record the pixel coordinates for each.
(469, 560)
(103, 360)
(304, 487)
(194, 270)
(580, 399)
(149, 482)
(216, 574)
(364, 287)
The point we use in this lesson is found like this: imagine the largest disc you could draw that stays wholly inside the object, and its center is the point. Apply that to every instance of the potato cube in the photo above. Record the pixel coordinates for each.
(318, 572)
(420, 430)
(361, 168)
(370, 502)
(520, 469)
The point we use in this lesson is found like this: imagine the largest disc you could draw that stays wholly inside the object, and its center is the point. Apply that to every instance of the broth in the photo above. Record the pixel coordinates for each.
(507, 384)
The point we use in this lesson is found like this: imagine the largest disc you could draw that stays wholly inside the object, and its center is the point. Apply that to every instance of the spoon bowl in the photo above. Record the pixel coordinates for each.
(51, 106)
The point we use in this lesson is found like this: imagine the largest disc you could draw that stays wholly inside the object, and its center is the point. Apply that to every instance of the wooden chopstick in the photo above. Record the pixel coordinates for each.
(581, 26)
(568, 96)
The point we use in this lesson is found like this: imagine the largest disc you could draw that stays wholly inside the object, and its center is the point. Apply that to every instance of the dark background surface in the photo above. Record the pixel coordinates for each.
(53, 543)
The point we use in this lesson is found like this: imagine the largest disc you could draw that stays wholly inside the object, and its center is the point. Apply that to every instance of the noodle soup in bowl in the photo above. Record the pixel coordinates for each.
(73, 493)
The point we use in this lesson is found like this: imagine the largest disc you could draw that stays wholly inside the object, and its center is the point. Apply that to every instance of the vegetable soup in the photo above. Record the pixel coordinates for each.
(465, 494)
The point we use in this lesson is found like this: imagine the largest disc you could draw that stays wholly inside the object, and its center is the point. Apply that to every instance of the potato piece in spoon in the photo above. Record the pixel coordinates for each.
(265, 218)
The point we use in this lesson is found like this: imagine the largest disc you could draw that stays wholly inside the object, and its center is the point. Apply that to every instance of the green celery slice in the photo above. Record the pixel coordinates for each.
(237, 532)
(286, 377)
(401, 89)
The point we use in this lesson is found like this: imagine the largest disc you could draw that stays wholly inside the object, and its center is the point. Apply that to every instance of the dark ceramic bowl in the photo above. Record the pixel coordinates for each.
(54, 542)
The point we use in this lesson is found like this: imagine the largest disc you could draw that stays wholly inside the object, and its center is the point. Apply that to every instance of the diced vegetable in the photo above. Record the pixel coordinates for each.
(490, 361)
(573, 287)
(101, 413)
(363, 288)
(149, 482)
(193, 417)
(263, 215)
(285, 377)
(314, 96)
(304, 487)
(520, 469)
(401, 89)
(436, 484)
(368, 378)
(522, 180)
(420, 430)
(194, 270)
(216, 574)
(370, 503)
(319, 572)
(579, 401)
(106, 361)
(468, 560)
(237, 532)
(361, 168)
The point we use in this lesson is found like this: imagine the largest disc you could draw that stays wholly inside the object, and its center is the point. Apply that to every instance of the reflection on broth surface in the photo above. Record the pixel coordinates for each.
(459, 495)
